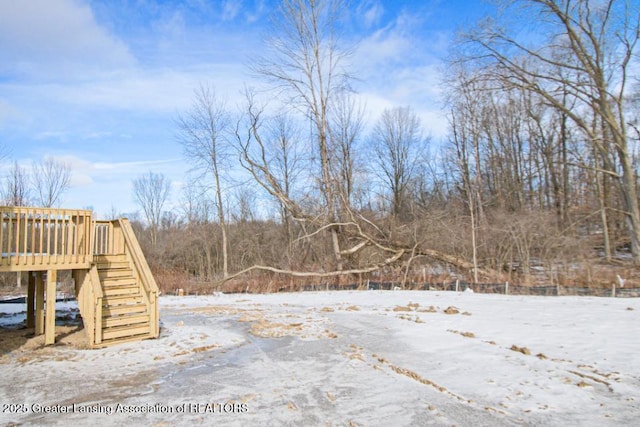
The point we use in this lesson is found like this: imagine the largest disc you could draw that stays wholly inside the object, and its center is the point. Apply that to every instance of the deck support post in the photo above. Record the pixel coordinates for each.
(31, 291)
(50, 320)
(39, 326)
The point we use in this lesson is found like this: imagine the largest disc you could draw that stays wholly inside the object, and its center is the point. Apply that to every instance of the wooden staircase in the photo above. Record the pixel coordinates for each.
(125, 313)
(117, 296)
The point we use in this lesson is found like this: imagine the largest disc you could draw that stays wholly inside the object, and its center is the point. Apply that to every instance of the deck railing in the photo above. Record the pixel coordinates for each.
(108, 238)
(34, 239)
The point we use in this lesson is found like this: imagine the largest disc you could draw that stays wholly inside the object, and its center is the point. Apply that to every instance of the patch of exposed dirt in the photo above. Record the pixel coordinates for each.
(464, 334)
(219, 310)
(523, 350)
(22, 345)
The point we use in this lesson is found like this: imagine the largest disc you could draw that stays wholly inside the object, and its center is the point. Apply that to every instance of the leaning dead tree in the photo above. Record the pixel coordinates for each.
(305, 64)
(305, 67)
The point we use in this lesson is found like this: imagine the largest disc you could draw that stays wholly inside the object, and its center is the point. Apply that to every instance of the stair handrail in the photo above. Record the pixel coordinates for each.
(140, 263)
(138, 256)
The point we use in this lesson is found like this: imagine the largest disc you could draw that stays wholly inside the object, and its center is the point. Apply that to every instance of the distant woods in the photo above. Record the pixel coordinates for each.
(42, 184)
(537, 179)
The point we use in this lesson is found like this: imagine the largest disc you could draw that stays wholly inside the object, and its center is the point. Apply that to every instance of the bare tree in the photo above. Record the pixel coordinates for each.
(194, 206)
(284, 151)
(51, 179)
(305, 62)
(151, 192)
(245, 202)
(203, 135)
(16, 193)
(587, 57)
(16, 190)
(346, 125)
(399, 143)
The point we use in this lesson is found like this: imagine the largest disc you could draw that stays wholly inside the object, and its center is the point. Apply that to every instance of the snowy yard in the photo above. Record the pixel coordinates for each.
(369, 358)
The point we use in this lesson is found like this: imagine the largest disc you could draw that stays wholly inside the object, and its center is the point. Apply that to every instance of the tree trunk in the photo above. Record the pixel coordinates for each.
(630, 197)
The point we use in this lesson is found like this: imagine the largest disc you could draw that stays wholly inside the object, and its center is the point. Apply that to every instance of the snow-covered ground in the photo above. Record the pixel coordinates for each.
(369, 358)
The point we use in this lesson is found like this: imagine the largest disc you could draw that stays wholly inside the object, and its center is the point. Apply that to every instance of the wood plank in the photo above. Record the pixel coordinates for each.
(2, 250)
(103, 265)
(118, 300)
(96, 308)
(124, 331)
(111, 258)
(50, 313)
(111, 322)
(31, 293)
(121, 290)
(39, 320)
(42, 228)
(117, 282)
(123, 309)
(118, 341)
(114, 273)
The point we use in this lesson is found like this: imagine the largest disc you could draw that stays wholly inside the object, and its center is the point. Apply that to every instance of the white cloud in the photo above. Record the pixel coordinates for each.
(382, 46)
(253, 15)
(398, 66)
(56, 37)
(165, 91)
(370, 12)
(230, 9)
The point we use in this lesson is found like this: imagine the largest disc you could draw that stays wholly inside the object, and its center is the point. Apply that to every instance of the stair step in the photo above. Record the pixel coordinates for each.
(117, 282)
(111, 258)
(114, 300)
(133, 319)
(114, 273)
(128, 309)
(131, 289)
(104, 265)
(125, 331)
(111, 261)
(123, 340)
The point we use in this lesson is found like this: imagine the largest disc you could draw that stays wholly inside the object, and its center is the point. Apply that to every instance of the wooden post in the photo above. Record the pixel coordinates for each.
(457, 282)
(506, 288)
(50, 319)
(613, 290)
(31, 291)
(39, 327)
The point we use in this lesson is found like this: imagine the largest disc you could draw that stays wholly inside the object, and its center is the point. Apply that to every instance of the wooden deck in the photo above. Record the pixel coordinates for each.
(116, 292)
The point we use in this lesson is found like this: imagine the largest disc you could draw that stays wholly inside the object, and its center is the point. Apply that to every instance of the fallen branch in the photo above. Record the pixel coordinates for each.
(370, 269)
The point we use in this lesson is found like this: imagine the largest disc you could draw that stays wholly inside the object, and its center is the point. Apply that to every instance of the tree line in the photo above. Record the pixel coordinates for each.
(536, 179)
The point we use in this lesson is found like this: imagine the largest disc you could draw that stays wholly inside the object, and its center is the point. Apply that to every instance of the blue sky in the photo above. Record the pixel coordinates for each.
(100, 83)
